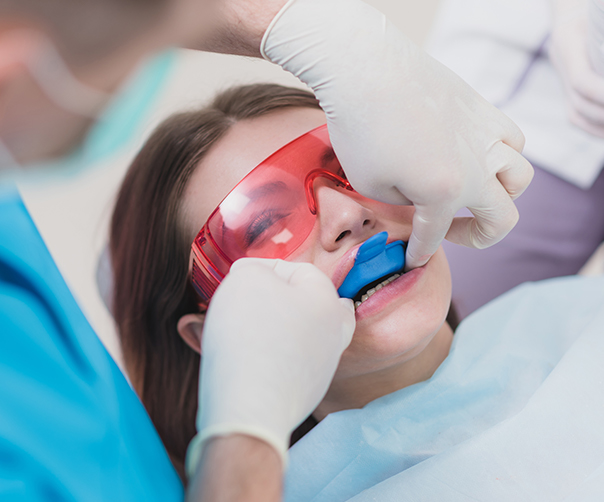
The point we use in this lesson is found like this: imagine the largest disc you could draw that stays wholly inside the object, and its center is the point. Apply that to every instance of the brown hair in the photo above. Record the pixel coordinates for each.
(150, 251)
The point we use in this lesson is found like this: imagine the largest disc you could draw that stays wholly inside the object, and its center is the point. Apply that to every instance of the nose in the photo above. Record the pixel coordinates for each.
(342, 216)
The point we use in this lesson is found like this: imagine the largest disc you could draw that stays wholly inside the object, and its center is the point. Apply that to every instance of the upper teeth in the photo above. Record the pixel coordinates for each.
(372, 291)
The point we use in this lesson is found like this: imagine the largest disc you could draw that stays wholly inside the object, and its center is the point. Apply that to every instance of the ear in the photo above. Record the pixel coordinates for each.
(190, 328)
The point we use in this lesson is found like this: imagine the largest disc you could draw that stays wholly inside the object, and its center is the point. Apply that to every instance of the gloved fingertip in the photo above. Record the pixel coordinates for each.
(412, 262)
(348, 303)
(256, 262)
(349, 322)
(242, 262)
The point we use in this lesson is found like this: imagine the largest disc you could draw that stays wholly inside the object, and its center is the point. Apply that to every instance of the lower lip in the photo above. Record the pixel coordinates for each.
(382, 298)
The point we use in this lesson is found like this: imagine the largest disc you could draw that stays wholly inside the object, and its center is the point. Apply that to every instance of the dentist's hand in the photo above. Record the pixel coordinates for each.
(272, 340)
(405, 128)
(569, 53)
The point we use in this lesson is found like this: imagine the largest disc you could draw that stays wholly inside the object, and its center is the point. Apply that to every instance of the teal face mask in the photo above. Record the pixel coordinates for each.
(125, 114)
(121, 119)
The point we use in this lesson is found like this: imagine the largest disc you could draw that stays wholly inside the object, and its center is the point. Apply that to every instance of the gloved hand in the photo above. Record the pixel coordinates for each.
(405, 128)
(272, 340)
(569, 53)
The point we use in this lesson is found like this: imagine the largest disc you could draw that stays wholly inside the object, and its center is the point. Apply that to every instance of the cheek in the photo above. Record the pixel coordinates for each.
(310, 251)
(403, 333)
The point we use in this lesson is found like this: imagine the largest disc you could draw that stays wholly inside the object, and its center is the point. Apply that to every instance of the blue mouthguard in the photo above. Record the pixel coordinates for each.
(375, 259)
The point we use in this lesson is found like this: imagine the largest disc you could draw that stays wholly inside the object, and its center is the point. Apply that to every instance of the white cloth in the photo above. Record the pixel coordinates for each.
(499, 48)
(515, 412)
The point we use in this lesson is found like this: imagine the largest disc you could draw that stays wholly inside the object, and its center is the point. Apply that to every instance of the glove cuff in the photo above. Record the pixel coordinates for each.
(270, 27)
(196, 445)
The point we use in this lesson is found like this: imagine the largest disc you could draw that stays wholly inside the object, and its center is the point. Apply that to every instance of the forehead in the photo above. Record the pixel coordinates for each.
(244, 146)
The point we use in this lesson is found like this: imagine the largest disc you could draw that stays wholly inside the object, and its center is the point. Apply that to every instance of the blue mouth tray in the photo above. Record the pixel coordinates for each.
(375, 259)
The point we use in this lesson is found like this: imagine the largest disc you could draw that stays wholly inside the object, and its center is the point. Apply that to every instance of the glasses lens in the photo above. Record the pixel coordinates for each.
(267, 214)
(266, 217)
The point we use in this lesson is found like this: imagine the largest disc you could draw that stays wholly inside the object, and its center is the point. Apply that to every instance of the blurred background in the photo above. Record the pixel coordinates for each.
(72, 212)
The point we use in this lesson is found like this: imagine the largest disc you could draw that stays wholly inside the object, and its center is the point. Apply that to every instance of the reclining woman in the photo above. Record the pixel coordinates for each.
(390, 409)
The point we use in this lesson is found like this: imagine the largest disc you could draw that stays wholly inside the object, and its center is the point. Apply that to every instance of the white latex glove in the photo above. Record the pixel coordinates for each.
(569, 53)
(272, 340)
(405, 128)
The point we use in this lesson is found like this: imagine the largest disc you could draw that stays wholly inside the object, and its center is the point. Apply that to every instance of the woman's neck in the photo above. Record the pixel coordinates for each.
(356, 392)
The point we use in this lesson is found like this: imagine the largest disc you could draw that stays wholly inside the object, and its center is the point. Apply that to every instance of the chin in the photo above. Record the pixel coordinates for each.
(404, 325)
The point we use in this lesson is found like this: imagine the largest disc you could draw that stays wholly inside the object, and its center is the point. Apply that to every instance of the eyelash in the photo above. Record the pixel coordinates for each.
(260, 224)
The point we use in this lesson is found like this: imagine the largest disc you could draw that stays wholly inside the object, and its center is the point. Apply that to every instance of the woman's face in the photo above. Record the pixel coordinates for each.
(397, 322)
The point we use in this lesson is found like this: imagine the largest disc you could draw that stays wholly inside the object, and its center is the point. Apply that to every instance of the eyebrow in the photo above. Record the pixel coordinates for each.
(267, 189)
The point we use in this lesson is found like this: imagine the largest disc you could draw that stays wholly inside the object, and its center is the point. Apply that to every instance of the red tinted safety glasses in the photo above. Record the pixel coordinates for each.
(269, 214)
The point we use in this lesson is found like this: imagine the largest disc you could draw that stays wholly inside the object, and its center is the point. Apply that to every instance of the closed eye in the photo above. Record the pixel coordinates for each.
(261, 224)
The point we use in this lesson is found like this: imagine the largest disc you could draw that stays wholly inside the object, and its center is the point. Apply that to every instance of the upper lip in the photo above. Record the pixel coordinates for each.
(345, 265)
(347, 262)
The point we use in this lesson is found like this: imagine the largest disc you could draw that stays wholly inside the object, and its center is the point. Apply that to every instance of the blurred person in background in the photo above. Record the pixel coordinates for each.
(532, 60)
(71, 427)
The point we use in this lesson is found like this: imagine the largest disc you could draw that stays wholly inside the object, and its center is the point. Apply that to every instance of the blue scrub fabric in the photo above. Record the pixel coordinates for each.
(71, 428)
(515, 412)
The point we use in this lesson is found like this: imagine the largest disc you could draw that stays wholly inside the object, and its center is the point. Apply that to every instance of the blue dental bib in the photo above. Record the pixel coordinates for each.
(375, 260)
